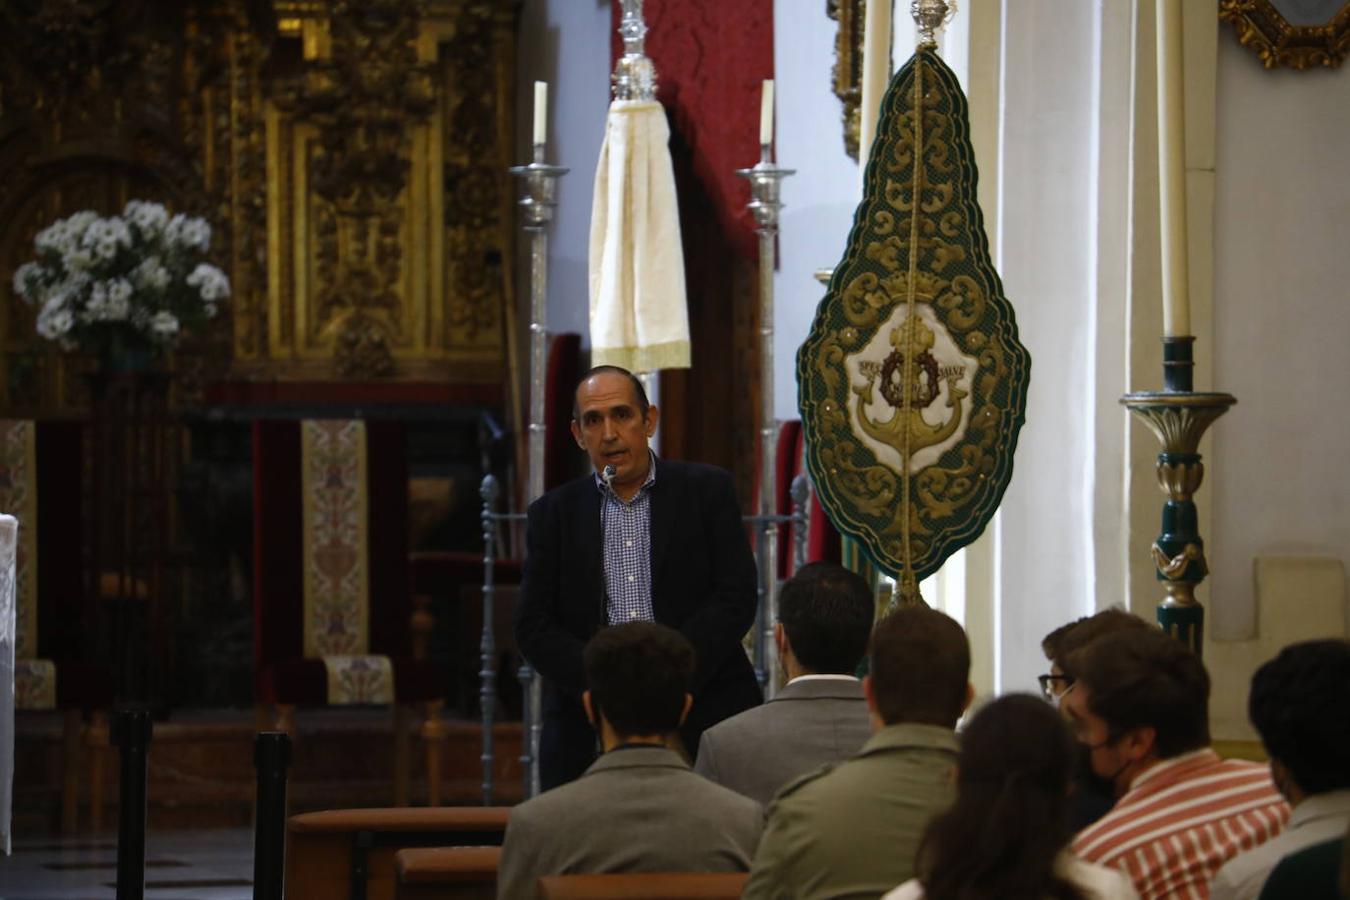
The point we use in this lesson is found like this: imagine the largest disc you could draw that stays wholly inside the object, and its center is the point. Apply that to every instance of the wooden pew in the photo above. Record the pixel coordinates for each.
(644, 886)
(350, 852)
(447, 873)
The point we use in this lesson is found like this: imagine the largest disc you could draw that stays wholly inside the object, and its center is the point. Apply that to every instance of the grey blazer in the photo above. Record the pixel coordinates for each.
(809, 724)
(636, 809)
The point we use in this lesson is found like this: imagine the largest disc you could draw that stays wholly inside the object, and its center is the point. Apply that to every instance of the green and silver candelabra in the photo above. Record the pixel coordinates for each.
(1179, 416)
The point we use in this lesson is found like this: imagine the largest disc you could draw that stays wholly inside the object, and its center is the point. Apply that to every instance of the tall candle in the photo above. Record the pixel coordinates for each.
(1172, 170)
(540, 111)
(876, 73)
(766, 113)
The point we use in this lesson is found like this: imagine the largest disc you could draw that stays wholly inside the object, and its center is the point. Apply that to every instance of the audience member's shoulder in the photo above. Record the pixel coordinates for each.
(547, 806)
(806, 786)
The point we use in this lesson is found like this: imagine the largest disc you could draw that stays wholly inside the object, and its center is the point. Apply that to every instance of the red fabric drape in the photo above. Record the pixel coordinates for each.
(710, 57)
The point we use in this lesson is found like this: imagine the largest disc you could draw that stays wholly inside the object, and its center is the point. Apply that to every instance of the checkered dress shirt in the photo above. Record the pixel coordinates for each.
(628, 551)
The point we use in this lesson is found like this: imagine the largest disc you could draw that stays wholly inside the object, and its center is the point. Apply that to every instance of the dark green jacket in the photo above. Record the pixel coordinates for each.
(851, 830)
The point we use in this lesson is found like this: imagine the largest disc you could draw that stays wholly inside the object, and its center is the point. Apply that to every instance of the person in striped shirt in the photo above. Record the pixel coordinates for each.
(1140, 703)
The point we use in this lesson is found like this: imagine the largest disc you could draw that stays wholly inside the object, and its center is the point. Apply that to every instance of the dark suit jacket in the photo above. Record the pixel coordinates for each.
(703, 584)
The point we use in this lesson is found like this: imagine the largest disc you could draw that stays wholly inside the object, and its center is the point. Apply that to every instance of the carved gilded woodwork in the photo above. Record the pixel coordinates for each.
(846, 77)
(387, 148)
(350, 156)
(1299, 35)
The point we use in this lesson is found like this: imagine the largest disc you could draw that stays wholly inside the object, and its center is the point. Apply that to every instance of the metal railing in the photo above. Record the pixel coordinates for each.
(531, 717)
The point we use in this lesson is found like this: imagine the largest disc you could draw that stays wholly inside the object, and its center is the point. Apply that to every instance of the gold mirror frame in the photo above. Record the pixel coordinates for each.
(1262, 27)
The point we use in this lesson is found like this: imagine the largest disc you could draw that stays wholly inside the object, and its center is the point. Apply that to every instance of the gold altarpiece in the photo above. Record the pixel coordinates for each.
(350, 155)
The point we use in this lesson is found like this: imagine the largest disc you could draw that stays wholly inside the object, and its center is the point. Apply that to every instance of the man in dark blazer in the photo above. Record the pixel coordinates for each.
(640, 539)
(637, 808)
(820, 717)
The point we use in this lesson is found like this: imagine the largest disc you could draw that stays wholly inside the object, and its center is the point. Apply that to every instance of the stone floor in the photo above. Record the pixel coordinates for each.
(214, 864)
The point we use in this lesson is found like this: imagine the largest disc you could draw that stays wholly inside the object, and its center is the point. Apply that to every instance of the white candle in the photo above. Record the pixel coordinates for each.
(1172, 170)
(876, 73)
(540, 111)
(766, 113)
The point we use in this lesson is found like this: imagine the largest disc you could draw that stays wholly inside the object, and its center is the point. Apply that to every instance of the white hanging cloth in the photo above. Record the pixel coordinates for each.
(639, 316)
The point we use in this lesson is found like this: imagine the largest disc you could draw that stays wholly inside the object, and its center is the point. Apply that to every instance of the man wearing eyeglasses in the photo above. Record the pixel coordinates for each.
(1140, 705)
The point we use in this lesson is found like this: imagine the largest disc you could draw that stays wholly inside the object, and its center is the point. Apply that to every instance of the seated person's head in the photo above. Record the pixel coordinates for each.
(1058, 644)
(637, 680)
(824, 619)
(919, 669)
(1138, 697)
(1300, 705)
(1009, 822)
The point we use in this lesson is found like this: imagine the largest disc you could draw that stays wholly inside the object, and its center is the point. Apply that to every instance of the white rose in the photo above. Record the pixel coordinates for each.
(54, 322)
(173, 232)
(164, 326)
(119, 290)
(197, 234)
(210, 282)
(76, 259)
(150, 274)
(49, 238)
(150, 218)
(26, 279)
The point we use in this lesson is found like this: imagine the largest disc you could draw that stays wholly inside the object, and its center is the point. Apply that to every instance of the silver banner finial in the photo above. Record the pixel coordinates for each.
(634, 75)
(931, 16)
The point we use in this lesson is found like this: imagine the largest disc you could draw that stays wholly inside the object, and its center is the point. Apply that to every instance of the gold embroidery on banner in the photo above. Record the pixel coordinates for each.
(18, 498)
(912, 381)
(334, 512)
(359, 679)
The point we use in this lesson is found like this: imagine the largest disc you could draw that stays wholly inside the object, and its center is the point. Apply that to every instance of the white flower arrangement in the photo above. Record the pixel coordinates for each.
(137, 278)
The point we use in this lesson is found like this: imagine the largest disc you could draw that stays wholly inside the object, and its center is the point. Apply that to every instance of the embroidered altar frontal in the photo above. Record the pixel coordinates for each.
(912, 383)
(336, 561)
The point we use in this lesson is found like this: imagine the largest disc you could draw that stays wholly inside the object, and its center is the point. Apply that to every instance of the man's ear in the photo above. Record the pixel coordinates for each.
(970, 698)
(653, 416)
(688, 702)
(590, 710)
(576, 435)
(780, 638)
(1139, 742)
(869, 693)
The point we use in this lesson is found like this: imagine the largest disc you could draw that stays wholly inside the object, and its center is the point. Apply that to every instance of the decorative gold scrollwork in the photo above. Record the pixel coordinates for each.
(1173, 567)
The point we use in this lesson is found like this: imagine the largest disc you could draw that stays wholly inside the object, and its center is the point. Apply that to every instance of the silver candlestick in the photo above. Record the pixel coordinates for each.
(539, 202)
(766, 181)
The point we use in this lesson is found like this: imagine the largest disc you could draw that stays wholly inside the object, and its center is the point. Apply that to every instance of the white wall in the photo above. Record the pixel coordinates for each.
(820, 199)
(1277, 478)
(566, 43)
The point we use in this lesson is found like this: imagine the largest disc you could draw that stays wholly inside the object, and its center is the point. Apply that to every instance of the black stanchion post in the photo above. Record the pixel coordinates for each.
(271, 757)
(131, 734)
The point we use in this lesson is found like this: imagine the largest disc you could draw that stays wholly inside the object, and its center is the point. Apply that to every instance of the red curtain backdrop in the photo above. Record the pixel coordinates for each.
(710, 57)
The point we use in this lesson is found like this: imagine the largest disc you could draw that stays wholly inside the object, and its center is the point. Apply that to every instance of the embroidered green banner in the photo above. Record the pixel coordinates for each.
(912, 383)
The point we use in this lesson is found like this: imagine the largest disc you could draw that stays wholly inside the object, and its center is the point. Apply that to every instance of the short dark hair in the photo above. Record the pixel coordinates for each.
(1300, 705)
(827, 612)
(639, 392)
(1064, 640)
(638, 674)
(1142, 677)
(920, 666)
